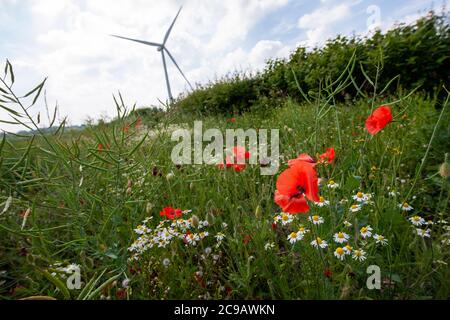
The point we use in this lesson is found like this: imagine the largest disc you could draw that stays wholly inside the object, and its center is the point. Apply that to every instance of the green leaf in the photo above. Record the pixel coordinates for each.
(58, 283)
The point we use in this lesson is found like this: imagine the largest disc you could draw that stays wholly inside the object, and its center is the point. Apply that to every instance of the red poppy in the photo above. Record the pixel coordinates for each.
(378, 119)
(138, 123)
(233, 120)
(237, 161)
(100, 147)
(301, 157)
(328, 155)
(170, 213)
(294, 184)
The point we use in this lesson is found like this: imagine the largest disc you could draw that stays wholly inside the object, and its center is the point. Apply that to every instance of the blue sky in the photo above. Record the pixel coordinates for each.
(67, 40)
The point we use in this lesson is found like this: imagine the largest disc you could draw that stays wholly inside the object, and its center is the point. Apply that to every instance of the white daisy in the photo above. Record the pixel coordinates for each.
(332, 185)
(220, 236)
(417, 221)
(405, 206)
(285, 218)
(322, 202)
(339, 253)
(293, 237)
(359, 254)
(347, 224)
(360, 197)
(341, 237)
(348, 249)
(380, 239)
(355, 208)
(424, 233)
(319, 243)
(316, 219)
(366, 231)
(303, 230)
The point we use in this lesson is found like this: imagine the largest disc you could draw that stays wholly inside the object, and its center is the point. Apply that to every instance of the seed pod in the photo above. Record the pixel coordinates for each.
(210, 218)
(258, 212)
(444, 170)
(195, 221)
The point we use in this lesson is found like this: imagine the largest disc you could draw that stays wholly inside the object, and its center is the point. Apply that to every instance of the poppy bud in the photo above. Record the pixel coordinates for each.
(195, 221)
(170, 175)
(258, 212)
(148, 207)
(444, 170)
(210, 218)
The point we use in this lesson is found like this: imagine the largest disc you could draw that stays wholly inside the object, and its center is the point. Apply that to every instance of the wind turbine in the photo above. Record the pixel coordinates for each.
(161, 47)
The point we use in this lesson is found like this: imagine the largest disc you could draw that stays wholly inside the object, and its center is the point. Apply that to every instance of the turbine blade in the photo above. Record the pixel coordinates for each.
(154, 44)
(170, 28)
(167, 76)
(179, 69)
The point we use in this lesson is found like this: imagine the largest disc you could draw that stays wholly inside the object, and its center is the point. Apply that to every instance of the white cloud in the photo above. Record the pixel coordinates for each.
(319, 23)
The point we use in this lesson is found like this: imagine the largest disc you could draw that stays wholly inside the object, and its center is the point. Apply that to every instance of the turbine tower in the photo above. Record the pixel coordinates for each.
(161, 47)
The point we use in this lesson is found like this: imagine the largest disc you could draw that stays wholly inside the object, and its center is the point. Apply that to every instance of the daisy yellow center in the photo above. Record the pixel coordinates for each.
(301, 229)
(331, 182)
(381, 238)
(405, 205)
(285, 217)
(416, 218)
(340, 251)
(358, 253)
(349, 248)
(319, 241)
(293, 235)
(315, 218)
(359, 195)
(321, 199)
(364, 229)
(354, 206)
(340, 235)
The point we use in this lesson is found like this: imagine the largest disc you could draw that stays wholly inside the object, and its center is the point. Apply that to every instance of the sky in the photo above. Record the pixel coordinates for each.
(68, 41)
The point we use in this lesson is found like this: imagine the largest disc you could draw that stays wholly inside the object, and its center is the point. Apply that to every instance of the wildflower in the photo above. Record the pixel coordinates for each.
(316, 219)
(332, 185)
(379, 118)
(237, 160)
(100, 147)
(417, 221)
(293, 237)
(444, 170)
(328, 155)
(348, 249)
(405, 206)
(355, 208)
(360, 197)
(303, 230)
(393, 193)
(294, 185)
(347, 224)
(285, 218)
(379, 239)
(366, 231)
(269, 246)
(219, 236)
(339, 253)
(322, 202)
(316, 243)
(424, 233)
(208, 250)
(341, 237)
(359, 254)
(166, 262)
(301, 157)
(170, 213)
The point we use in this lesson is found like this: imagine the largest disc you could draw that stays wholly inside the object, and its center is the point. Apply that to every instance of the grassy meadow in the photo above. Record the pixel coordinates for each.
(92, 199)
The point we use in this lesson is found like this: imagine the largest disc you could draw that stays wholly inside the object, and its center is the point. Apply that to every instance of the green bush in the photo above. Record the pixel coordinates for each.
(415, 55)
